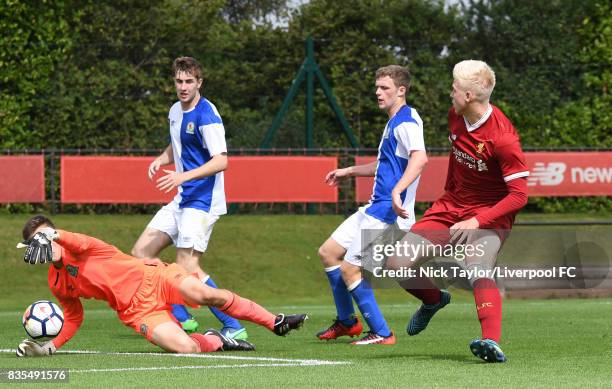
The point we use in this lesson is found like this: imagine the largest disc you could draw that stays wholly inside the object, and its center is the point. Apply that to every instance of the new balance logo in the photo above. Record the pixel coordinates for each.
(547, 174)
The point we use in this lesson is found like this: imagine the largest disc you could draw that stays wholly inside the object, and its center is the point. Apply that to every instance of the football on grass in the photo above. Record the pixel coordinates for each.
(43, 319)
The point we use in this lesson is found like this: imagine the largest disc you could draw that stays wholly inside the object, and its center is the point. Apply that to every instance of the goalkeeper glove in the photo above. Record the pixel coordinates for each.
(29, 348)
(39, 248)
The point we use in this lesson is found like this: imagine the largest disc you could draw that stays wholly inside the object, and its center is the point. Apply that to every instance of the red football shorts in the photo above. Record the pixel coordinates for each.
(437, 220)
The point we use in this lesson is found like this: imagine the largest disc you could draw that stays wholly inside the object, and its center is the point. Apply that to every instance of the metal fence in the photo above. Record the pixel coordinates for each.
(346, 197)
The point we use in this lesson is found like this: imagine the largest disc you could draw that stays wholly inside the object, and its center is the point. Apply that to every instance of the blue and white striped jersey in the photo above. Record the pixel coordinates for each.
(403, 134)
(196, 136)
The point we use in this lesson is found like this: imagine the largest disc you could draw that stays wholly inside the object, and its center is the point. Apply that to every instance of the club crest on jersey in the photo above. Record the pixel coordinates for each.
(72, 270)
(453, 137)
(190, 128)
(480, 148)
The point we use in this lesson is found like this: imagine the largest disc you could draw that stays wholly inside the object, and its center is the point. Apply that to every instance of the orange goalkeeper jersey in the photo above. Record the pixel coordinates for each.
(92, 269)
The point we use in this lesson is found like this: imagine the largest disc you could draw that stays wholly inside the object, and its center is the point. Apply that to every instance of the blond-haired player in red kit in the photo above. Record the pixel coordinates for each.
(140, 291)
(485, 187)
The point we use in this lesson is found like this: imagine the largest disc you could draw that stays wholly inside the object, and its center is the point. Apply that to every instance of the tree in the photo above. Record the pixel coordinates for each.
(114, 87)
(35, 38)
(352, 42)
(532, 47)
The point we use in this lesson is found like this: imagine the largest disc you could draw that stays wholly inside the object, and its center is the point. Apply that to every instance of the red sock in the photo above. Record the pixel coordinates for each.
(488, 307)
(207, 343)
(423, 289)
(245, 309)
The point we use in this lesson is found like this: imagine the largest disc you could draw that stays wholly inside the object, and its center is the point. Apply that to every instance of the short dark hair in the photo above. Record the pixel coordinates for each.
(399, 74)
(33, 223)
(188, 65)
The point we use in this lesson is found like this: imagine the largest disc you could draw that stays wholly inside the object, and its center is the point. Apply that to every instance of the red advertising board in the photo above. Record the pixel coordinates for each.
(551, 174)
(570, 174)
(280, 179)
(431, 184)
(108, 180)
(22, 179)
(116, 180)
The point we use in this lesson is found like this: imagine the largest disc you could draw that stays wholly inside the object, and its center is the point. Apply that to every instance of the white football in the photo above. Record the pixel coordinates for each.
(43, 319)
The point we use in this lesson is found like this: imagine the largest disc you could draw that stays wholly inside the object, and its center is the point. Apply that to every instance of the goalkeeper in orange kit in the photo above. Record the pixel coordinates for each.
(141, 292)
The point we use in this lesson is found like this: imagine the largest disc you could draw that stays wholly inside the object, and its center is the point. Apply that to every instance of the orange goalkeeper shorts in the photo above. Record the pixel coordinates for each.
(151, 305)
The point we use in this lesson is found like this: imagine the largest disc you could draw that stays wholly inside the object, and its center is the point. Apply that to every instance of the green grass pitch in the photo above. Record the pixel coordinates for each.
(272, 259)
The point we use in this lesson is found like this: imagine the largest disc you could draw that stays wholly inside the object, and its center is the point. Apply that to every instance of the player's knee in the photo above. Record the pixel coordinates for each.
(137, 252)
(323, 253)
(210, 297)
(327, 258)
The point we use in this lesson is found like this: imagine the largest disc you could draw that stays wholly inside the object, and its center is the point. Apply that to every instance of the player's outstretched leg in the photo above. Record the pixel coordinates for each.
(346, 323)
(231, 327)
(488, 350)
(245, 309)
(420, 319)
(379, 330)
(194, 292)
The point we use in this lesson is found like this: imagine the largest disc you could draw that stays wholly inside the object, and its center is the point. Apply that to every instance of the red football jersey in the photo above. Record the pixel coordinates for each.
(484, 156)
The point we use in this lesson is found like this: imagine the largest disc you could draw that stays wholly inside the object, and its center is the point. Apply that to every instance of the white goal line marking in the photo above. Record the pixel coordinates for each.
(242, 365)
(272, 362)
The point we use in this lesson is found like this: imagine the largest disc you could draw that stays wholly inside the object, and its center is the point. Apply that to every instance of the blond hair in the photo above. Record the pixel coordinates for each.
(475, 76)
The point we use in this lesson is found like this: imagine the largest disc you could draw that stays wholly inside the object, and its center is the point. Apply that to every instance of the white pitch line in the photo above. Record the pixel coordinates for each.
(243, 365)
(286, 361)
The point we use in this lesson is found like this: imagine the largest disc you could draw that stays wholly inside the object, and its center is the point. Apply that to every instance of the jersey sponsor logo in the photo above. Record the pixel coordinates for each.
(470, 162)
(72, 270)
(464, 158)
(547, 174)
(190, 128)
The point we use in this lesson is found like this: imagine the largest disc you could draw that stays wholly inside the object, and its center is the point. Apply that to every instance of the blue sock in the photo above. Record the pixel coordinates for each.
(364, 297)
(226, 320)
(342, 298)
(180, 312)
